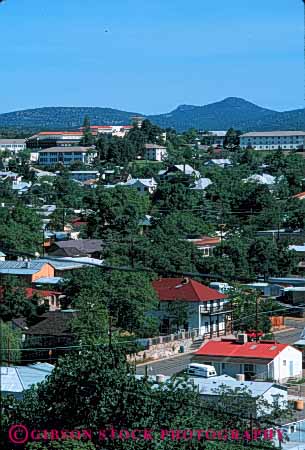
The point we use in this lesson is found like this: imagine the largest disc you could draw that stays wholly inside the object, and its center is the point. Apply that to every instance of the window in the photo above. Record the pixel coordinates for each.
(249, 368)
(223, 366)
(284, 362)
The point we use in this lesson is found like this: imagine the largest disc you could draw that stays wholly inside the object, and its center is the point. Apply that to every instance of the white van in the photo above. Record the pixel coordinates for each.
(201, 370)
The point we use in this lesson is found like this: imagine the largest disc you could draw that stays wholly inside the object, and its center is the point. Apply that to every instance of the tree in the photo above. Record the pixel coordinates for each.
(252, 312)
(87, 139)
(91, 322)
(231, 141)
(20, 229)
(10, 344)
(96, 390)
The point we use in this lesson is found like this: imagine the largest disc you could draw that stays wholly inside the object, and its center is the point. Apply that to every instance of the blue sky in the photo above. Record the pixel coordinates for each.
(156, 54)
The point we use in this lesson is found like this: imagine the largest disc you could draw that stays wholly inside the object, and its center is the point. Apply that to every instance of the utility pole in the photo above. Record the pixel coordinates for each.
(256, 318)
(109, 332)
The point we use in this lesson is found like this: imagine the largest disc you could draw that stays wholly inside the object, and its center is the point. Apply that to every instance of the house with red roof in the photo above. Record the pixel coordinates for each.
(263, 360)
(187, 304)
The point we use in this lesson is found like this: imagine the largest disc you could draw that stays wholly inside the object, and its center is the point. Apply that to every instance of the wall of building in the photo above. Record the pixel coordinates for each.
(46, 271)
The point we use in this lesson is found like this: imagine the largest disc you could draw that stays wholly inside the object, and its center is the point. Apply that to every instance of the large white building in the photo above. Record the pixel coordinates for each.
(12, 145)
(273, 140)
(66, 155)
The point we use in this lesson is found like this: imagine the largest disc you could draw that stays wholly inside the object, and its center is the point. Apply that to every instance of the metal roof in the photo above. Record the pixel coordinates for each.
(17, 379)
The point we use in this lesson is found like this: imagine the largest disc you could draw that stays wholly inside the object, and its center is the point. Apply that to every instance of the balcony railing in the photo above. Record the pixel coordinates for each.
(215, 309)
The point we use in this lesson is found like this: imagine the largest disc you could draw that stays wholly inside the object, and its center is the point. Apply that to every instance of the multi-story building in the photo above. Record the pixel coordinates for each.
(114, 130)
(47, 139)
(66, 155)
(273, 140)
(154, 152)
(201, 307)
(12, 145)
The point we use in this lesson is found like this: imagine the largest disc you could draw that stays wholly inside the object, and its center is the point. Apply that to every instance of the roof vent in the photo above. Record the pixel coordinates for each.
(242, 338)
(185, 280)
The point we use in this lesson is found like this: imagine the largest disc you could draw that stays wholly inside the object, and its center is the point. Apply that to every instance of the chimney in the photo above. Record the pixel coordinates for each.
(242, 338)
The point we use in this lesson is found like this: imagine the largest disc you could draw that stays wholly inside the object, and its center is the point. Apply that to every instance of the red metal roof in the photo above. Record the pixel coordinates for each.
(191, 291)
(207, 240)
(231, 349)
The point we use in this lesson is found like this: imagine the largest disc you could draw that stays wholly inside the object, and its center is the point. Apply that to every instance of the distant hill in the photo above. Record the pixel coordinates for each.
(58, 118)
(230, 112)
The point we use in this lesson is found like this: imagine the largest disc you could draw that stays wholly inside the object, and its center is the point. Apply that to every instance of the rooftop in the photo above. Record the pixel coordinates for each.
(273, 133)
(171, 289)
(21, 267)
(17, 379)
(76, 149)
(232, 349)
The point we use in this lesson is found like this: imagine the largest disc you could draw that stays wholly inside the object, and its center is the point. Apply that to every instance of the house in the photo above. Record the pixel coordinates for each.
(2, 256)
(10, 176)
(206, 244)
(12, 145)
(21, 187)
(77, 248)
(66, 155)
(113, 130)
(273, 140)
(222, 163)
(292, 295)
(183, 169)
(204, 308)
(142, 185)
(265, 179)
(266, 360)
(201, 184)
(51, 331)
(83, 175)
(213, 138)
(51, 299)
(273, 395)
(17, 379)
(30, 271)
(154, 152)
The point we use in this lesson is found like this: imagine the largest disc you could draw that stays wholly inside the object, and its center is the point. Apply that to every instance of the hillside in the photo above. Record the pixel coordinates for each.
(230, 112)
(64, 117)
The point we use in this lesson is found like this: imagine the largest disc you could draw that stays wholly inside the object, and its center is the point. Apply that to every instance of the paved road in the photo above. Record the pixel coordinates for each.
(291, 336)
(166, 367)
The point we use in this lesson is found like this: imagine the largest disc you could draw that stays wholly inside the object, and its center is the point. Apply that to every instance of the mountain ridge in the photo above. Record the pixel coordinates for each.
(230, 112)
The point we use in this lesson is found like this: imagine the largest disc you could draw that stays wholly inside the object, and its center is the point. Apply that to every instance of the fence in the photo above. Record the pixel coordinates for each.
(179, 336)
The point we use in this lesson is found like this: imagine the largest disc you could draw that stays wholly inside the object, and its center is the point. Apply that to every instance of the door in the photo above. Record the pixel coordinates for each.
(291, 368)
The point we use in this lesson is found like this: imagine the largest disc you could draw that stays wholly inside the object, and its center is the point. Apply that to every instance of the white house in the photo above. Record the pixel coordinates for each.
(266, 360)
(273, 140)
(206, 309)
(154, 152)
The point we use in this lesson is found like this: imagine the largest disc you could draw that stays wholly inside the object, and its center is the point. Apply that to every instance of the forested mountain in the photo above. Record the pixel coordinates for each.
(230, 112)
